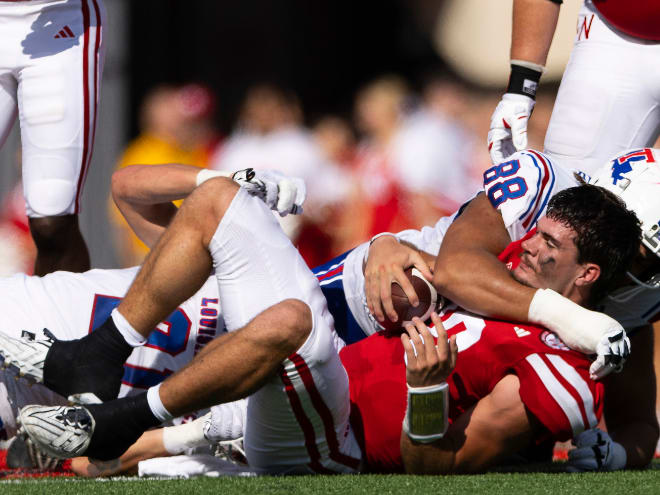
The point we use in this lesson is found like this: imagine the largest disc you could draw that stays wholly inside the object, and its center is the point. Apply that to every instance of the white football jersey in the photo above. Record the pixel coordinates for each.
(71, 305)
(520, 189)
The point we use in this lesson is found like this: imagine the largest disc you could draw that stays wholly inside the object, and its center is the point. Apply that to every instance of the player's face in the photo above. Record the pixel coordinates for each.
(549, 258)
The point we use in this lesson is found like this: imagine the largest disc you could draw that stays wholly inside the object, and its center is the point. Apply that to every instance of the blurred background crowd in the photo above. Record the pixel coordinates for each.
(382, 107)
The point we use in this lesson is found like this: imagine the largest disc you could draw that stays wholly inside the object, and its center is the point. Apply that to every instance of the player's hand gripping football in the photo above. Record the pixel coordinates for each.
(386, 263)
(508, 126)
(281, 193)
(428, 363)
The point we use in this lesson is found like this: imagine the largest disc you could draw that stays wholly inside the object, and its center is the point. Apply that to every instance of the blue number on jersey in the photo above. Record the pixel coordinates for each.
(173, 341)
(509, 189)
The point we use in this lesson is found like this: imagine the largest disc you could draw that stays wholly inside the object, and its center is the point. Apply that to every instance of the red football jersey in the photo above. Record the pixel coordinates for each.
(554, 381)
(640, 18)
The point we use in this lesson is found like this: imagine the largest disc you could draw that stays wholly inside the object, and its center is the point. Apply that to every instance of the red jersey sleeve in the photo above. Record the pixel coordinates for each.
(558, 391)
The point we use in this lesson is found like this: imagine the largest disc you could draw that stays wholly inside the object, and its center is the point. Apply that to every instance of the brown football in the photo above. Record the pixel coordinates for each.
(428, 298)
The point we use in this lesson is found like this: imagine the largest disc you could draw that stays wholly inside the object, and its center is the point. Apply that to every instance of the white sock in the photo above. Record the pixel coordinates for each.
(156, 405)
(131, 336)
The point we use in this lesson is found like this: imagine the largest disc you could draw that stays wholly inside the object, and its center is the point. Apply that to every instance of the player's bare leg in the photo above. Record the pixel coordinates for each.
(236, 364)
(180, 262)
(60, 245)
(231, 367)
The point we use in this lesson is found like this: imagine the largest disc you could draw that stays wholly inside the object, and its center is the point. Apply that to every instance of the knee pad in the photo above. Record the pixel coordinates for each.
(50, 197)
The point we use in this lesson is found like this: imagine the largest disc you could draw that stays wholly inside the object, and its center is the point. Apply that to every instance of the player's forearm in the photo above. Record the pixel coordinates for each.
(154, 184)
(534, 24)
(477, 281)
(144, 195)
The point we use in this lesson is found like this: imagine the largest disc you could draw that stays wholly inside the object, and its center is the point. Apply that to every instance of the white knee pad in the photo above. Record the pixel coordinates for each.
(49, 197)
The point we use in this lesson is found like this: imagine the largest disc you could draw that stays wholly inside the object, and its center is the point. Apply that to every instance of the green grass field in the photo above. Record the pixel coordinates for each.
(621, 483)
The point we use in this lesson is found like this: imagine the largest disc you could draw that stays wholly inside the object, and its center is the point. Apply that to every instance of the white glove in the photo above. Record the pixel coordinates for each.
(612, 351)
(281, 193)
(596, 451)
(508, 126)
(583, 330)
(226, 421)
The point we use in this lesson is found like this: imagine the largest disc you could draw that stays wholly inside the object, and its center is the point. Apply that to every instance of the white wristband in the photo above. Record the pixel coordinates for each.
(206, 174)
(579, 328)
(177, 439)
(427, 413)
(529, 65)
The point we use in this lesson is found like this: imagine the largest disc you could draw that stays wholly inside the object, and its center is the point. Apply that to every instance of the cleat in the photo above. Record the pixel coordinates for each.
(26, 356)
(92, 364)
(24, 454)
(60, 432)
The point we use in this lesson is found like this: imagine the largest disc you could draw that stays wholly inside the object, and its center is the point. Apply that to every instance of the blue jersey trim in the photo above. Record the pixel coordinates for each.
(331, 280)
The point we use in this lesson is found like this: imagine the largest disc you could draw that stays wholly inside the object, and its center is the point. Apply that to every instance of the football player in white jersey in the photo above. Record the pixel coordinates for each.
(71, 305)
(467, 271)
(279, 330)
(51, 60)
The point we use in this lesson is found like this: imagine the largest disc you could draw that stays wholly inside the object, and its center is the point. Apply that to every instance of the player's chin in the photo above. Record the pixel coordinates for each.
(521, 276)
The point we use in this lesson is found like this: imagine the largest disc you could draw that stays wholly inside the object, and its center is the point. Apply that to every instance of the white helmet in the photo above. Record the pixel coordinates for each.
(634, 176)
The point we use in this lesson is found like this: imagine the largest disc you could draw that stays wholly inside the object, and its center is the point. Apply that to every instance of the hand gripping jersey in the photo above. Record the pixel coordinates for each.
(554, 382)
(72, 304)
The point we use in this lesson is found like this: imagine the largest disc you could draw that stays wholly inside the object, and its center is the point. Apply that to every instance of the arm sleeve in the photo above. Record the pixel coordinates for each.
(556, 388)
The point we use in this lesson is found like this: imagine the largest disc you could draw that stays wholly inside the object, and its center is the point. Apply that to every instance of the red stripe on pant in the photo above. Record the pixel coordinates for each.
(305, 425)
(324, 412)
(88, 93)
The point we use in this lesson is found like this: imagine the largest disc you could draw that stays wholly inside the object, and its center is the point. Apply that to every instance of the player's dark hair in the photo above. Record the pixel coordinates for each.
(607, 233)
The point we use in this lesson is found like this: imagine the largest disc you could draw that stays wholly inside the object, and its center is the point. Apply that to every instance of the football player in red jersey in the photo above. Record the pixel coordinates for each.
(514, 384)
(495, 218)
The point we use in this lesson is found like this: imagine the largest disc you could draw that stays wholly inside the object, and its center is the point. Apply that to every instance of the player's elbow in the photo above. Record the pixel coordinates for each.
(120, 183)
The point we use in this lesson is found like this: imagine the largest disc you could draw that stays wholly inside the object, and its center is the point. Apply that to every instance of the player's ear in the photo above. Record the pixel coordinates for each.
(589, 273)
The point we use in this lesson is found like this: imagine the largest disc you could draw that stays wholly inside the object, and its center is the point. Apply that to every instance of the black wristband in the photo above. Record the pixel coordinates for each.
(523, 81)
(559, 2)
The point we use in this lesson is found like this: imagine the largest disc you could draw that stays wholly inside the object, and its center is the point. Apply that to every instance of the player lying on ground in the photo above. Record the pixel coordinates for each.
(141, 214)
(515, 193)
(71, 305)
(514, 385)
(284, 356)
